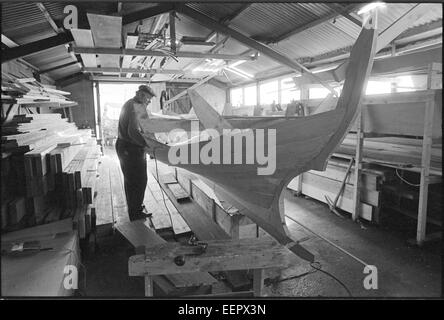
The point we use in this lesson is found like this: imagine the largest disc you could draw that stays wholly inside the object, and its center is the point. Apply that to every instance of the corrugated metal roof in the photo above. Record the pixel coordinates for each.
(270, 20)
(188, 27)
(216, 11)
(24, 23)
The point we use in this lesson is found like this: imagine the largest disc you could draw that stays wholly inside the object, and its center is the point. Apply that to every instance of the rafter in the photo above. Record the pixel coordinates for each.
(247, 41)
(133, 70)
(60, 67)
(37, 46)
(48, 17)
(341, 10)
(314, 23)
(155, 53)
(147, 13)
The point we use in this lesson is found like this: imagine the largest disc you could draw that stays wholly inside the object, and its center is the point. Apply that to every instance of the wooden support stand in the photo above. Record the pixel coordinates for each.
(220, 255)
(425, 159)
(358, 165)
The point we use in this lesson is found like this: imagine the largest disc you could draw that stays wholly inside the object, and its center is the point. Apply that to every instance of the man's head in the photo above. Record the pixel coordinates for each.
(145, 94)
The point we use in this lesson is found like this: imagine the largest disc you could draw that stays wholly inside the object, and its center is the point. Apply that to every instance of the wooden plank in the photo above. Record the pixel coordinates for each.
(220, 255)
(102, 202)
(83, 38)
(179, 193)
(180, 227)
(195, 217)
(118, 199)
(107, 33)
(16, 210)
(371, 197)
(142, 236)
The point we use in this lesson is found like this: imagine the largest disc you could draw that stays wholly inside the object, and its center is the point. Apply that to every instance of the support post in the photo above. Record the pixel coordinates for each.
(425, 165)
(258, 282)
(300, 178)
(358, 165)
(148, 286)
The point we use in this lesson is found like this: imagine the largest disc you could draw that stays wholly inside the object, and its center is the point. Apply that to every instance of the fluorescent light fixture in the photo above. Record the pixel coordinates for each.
(324, 69)
(371, 6)
(240, 73)
(235, 64)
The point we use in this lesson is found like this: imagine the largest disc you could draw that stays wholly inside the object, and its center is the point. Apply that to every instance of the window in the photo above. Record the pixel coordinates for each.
(411, 83)
(269, 93)
(378, 87)
(318, 93)
(237, 98)
(250, 94)
(288, 91)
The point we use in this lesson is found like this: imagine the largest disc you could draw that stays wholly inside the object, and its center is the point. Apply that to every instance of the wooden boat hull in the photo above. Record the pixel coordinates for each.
(302, 143)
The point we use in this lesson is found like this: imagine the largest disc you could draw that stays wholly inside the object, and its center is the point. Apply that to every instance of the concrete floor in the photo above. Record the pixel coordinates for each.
(403, 271)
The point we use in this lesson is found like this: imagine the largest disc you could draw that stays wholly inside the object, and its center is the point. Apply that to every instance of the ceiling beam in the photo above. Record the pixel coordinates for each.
(133, 70)
(11, 44)
(173, 32)
(226, 21)
(341, 10)
(153, 53)
(247, 41)
(70, 79)
(400, 25)
(140, 80)
(48, 17)
(60, 67)
(147, 13)
(37, 46)
(389, 34)
(314, 23)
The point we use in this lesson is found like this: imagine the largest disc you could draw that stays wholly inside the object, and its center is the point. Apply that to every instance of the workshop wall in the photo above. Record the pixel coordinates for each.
(82, 93)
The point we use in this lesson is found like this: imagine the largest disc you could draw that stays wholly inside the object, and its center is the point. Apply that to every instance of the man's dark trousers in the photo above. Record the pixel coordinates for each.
(133, 163)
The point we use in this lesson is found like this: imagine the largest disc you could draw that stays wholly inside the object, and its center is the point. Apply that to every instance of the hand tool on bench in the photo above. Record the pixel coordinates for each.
(332, 205)
(196, 248)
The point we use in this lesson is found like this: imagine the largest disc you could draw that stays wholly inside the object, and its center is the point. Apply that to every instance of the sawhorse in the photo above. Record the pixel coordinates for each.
(219, 255)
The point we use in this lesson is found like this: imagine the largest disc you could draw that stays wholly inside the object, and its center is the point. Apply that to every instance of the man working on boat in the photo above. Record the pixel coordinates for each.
(131, 150)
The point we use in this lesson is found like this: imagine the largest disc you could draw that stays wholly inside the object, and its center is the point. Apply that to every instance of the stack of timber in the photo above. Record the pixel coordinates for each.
(394, 151)
(29, 92)
(319, 184)
(49, 169)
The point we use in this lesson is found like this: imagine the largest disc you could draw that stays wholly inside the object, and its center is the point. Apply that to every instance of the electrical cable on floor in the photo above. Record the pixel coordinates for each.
(316, 266)
(330, 242)
(405, 181)
(330, 275)
(161, 190)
